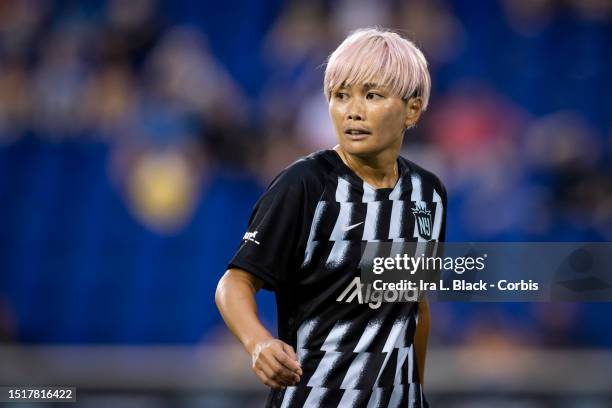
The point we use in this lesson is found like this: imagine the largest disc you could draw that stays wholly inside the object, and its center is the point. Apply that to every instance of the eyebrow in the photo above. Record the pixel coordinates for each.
(371, 85)
(368, 85)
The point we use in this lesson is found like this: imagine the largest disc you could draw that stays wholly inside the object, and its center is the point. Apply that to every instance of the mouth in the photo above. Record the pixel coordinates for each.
(357, 133)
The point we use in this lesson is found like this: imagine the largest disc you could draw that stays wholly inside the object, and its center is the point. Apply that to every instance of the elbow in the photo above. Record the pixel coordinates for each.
(219, 292)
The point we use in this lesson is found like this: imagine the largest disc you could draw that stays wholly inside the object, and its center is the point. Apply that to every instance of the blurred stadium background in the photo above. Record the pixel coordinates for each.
(136, 135)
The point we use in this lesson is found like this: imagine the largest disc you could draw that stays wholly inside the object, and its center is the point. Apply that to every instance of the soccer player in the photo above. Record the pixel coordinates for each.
(338, 344)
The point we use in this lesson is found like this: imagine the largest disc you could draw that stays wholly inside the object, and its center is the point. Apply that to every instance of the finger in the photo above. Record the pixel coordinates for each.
(287, 361)
(273, 359)
(289, 350)
(275, 373)
(269, 382)
(280, 373)
(273, 384)
(284, 375)
(260, 374)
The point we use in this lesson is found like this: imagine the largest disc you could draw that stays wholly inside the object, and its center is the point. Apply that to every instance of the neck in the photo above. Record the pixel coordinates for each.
(379, 171)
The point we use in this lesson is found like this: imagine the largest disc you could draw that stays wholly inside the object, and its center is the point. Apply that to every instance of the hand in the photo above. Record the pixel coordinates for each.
(276, 364)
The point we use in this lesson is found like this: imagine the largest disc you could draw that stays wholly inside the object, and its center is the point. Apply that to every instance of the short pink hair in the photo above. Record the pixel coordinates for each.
(374, 55)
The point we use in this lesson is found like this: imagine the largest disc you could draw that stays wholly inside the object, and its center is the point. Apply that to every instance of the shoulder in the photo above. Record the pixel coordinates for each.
(299, 185)
(427, 176)
(306, 172)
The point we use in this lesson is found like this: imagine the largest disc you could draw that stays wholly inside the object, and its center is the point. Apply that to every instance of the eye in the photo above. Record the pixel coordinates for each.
(374, 95)
(341, 95)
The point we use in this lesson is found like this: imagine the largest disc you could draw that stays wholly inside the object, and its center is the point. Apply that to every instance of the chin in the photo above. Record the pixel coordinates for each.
(360, 147)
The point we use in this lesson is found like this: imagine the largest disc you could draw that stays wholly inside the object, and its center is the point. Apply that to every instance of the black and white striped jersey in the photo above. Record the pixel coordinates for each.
(305, 241)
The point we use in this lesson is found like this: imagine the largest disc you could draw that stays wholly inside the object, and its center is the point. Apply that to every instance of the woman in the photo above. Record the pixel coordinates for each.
(338, 343)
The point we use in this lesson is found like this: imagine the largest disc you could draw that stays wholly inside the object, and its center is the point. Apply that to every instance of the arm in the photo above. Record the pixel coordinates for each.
(420, 337)
(274, 362)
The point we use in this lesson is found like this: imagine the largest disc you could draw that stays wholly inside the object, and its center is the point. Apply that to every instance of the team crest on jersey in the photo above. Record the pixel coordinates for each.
(422, 218)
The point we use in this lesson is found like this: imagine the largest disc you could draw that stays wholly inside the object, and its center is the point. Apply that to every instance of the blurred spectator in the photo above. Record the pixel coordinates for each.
(20, 24)
(564, 154)
(110, 98)
(432, 25)
(15, 100)
(58, 83)
(475, 128)
(129, 32)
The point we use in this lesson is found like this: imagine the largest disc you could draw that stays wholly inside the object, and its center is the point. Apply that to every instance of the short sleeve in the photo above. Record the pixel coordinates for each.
(269, 248)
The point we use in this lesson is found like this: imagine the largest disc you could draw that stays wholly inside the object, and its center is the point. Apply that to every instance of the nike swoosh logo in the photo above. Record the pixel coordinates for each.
(350, 227)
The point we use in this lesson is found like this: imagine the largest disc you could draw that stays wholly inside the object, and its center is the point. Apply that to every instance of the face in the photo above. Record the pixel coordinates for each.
(370, 120)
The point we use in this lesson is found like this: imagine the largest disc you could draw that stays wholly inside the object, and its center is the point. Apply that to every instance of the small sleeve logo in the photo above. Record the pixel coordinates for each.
(250, 236)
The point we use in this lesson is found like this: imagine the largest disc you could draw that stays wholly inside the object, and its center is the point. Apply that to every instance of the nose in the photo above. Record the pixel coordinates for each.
(355, 110)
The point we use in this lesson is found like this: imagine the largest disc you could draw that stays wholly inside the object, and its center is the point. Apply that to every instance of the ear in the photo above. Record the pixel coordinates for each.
(414, 107)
